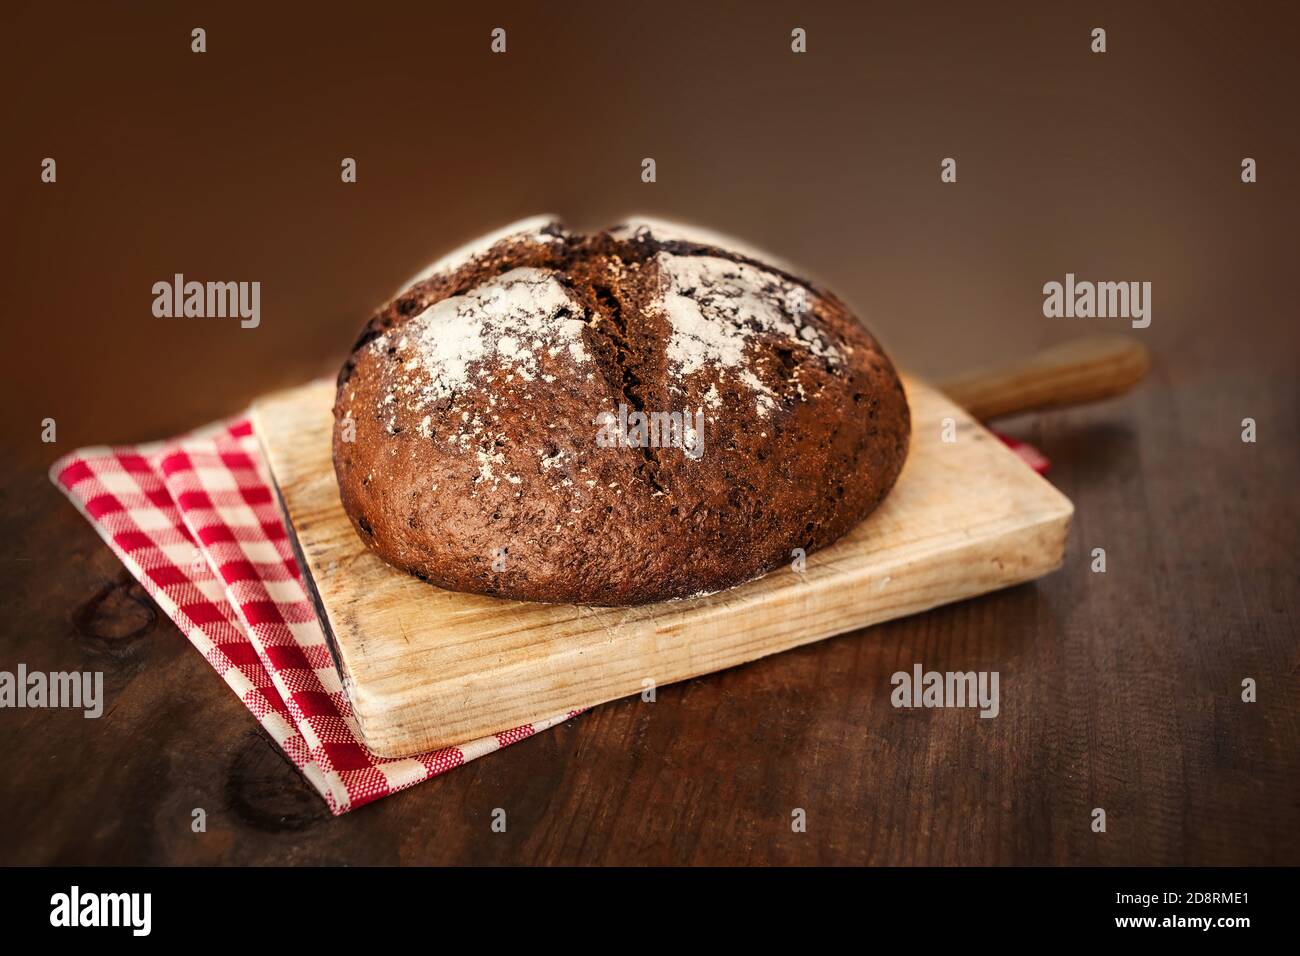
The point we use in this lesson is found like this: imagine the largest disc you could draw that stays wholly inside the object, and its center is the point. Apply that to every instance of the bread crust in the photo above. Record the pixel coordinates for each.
(470, 415)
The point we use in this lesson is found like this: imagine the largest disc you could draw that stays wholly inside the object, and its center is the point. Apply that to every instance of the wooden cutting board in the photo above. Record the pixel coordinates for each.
(427, 668)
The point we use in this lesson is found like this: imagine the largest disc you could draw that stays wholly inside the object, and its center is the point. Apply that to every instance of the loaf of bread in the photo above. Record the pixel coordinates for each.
(645, 413)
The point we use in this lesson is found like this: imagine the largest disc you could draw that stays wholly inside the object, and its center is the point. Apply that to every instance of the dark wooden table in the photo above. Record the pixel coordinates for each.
(1119, 690)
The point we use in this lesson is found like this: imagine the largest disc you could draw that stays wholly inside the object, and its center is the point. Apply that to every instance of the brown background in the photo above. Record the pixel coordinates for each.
(1119, 691)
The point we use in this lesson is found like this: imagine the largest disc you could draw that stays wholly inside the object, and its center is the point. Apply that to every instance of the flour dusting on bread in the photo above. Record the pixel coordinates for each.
(506, 320)
(718, 307)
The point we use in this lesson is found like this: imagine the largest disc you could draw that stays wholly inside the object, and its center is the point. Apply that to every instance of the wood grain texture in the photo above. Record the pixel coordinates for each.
(426, 667)
(1082, 370)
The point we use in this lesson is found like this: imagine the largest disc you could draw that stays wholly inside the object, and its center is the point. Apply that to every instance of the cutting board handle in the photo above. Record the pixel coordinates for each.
(1082, 370)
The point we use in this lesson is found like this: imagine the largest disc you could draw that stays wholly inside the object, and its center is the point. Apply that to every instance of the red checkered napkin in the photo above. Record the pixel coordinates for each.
(1027, 453)
(194, 520)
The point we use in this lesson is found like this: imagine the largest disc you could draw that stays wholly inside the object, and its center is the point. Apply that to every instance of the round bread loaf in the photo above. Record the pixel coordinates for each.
(641, 414)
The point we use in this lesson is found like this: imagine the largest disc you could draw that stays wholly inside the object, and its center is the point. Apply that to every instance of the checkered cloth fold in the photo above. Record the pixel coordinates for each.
(195, 521)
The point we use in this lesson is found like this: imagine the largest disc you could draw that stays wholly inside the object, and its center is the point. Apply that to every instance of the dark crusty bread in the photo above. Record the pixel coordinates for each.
(475, 443)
